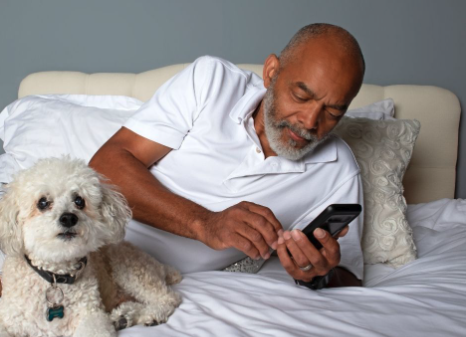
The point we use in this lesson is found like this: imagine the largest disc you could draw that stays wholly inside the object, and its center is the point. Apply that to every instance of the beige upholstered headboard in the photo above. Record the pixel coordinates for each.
(432, 171)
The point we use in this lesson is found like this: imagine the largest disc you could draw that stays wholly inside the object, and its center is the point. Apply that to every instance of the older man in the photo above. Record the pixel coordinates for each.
(220, 163)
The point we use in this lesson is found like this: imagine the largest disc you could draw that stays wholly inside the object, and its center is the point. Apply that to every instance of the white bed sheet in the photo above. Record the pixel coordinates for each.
(424, 298)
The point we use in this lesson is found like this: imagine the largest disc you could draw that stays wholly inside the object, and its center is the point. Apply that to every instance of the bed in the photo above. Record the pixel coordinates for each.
(424, 297)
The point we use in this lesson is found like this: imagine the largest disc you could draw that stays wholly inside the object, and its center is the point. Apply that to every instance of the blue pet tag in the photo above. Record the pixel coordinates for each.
(54, 296)
(54, 312)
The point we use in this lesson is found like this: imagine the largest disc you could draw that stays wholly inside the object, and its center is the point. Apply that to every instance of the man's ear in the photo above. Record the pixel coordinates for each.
(271, 67)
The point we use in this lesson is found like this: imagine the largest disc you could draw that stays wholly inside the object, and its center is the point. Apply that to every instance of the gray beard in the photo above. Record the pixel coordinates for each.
(274, 129)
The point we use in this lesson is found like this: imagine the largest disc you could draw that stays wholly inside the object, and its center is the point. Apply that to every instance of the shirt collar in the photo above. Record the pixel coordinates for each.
(248, 103)
(243, 109)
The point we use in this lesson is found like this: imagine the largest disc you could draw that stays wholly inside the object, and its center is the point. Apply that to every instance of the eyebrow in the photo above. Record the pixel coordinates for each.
(341, 107)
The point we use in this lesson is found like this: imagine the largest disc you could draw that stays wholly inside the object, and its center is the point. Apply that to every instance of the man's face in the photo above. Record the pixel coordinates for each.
(307, 98)
(287, 140)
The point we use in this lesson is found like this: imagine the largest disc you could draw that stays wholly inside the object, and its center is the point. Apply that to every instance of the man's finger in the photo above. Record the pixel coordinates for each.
(330, 247)
(312, 254)
(285, 259)
(266, 213)
(255, 237)
(246, 246)
(261, 223)
(291, 243)
(290, 264)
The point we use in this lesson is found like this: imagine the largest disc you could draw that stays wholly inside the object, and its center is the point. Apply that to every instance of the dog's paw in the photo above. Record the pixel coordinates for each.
(153, 323)
(155, 314)
(172, 276)
(121, 323)
(124, 316)
(175, 299)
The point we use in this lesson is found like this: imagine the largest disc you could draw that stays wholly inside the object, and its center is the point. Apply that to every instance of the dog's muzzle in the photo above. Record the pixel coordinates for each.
(68, 220)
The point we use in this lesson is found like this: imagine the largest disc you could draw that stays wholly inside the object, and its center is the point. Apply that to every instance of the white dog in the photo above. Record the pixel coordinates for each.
(67, 273)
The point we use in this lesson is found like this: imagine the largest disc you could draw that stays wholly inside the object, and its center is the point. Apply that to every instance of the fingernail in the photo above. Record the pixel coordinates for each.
(295, 235)
(266, 256)
(281, 240)
(286, 235)
(274, 245)
(280, 233)
(319, 233)
(258, 257)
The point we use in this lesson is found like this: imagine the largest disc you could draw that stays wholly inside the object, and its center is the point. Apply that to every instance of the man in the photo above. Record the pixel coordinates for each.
(219, 161)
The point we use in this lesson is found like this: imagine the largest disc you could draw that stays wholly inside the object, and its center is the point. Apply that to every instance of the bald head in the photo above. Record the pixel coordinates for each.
(341, 39)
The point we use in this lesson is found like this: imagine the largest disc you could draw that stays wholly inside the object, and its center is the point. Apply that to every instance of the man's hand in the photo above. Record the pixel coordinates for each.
(304, 253)
(246, 226)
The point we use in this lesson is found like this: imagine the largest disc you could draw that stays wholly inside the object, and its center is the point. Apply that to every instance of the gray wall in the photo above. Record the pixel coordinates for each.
(404, 42)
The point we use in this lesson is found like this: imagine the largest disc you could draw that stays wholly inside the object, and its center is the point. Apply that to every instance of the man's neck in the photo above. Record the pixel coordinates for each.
(259, 126)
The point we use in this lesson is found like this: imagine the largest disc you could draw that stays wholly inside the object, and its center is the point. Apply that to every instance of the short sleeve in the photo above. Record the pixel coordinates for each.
(169, 115)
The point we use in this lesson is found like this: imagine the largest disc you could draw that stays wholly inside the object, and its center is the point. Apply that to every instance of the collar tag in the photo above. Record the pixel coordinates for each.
(55, 312)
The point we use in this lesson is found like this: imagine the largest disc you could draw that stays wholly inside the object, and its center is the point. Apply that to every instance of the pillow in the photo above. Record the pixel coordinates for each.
(383, 150)
(52, 125)
(379, 110)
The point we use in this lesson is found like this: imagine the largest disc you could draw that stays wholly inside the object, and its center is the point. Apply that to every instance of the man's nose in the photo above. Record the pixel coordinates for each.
(310, 117)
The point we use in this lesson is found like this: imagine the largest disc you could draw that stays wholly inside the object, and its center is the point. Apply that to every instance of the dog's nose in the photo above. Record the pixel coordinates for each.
(68, 220)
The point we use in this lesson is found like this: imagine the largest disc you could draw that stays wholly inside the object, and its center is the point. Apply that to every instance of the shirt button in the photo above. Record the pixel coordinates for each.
(258, 150)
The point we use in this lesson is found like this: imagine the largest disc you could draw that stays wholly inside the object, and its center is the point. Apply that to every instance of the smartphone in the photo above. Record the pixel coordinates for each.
(333, 219)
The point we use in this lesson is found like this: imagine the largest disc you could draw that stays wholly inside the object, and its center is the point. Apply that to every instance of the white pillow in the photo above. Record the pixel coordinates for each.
(381, 110)
(383, 150)
(52, 125)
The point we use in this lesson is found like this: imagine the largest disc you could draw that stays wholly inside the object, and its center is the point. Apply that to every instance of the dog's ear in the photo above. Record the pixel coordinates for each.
(10, 230)
(115, 213)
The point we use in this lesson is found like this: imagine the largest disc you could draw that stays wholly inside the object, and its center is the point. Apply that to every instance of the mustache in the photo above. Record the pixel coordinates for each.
(303, 133)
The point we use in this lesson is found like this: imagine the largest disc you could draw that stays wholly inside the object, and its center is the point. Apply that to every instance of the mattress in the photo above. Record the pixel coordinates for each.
(426, 297)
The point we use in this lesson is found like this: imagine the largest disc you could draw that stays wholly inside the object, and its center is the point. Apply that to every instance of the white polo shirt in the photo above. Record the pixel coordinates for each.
(204, 114)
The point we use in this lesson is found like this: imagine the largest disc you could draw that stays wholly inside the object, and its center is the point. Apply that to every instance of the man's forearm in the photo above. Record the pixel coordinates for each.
(149, 200)
(343, 278)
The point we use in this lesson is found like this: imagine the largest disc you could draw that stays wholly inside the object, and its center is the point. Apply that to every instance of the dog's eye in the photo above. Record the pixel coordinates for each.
(79, 202)
(43, 203)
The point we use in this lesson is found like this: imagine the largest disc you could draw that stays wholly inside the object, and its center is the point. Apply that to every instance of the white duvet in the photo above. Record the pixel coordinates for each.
(424, 298)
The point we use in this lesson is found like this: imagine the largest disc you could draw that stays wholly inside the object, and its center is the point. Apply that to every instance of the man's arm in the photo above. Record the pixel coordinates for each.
(125, 160)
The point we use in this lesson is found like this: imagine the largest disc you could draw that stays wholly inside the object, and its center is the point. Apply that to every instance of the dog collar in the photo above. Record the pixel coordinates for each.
(58, 278)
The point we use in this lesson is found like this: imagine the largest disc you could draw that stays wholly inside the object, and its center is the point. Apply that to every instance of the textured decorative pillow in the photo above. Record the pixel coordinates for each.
(383, 150)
